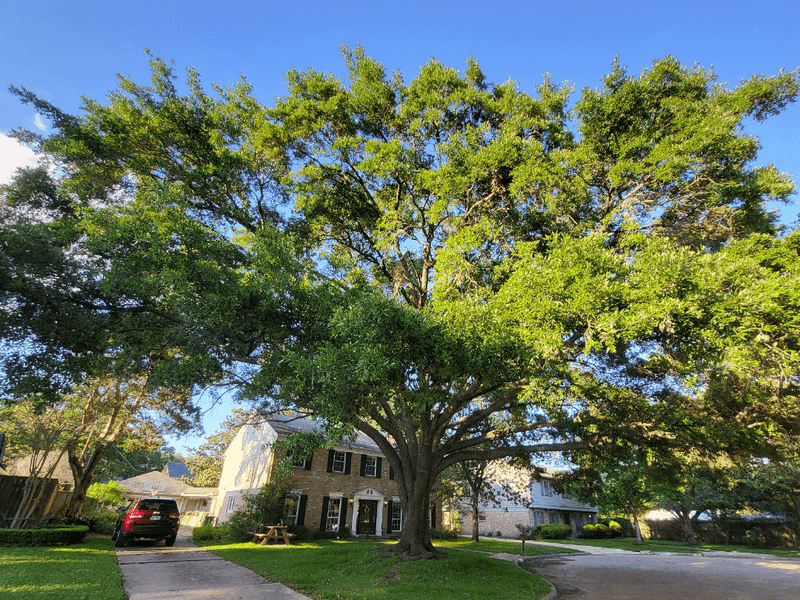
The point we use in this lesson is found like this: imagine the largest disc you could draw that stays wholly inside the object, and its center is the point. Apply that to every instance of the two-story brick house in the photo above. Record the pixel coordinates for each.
(349, 486)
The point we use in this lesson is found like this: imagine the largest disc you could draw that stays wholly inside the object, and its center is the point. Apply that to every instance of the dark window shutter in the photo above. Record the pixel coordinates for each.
(389, 520)
(378, 467)
(330, 460)
(323, 522)
(347, 460)
(391, 472)
(363, 465)
(307, 464)
(301, 510)
(343, 515)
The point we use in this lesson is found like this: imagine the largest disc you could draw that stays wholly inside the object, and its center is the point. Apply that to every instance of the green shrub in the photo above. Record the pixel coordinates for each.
(589, 531)
(445, 534)
(301, 532)
(555, 531)
(265, 507)
(103, 522)
(57, 535)
(614, 529)
(332, 535)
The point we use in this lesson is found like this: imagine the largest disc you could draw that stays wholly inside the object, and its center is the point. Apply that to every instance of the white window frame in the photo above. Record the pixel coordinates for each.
(370, 463)
(231, 504)
(334, 515)
(291, 518)
(547, 488)
(339, 464)
(397, 521)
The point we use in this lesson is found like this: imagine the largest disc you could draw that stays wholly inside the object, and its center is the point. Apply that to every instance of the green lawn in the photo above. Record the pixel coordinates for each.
(356, 570)
(496, 546)
(85, 571)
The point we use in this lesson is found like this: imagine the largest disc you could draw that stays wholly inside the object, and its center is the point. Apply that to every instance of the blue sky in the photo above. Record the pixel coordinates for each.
(62, 49)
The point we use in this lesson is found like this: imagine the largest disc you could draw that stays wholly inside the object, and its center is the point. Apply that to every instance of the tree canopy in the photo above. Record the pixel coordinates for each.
(416, 259)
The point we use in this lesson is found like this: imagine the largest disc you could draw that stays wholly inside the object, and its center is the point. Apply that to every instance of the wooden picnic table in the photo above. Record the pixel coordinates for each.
(272, 533)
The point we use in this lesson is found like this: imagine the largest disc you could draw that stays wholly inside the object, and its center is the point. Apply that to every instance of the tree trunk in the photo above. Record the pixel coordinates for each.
(636, 526)
(415, 538)
(476, 517)
(414, 484)
(795, 498)
(83, 476)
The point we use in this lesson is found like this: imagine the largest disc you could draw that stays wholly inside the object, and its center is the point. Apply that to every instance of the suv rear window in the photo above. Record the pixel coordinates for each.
(158, 505)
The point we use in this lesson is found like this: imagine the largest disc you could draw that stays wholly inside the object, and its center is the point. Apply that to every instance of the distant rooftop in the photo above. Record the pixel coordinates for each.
(176, 470)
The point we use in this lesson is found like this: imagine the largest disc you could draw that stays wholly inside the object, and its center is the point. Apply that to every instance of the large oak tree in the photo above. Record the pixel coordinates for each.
(417, 259)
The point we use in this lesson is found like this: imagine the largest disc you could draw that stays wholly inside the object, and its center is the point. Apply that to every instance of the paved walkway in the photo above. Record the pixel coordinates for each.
(151, 571)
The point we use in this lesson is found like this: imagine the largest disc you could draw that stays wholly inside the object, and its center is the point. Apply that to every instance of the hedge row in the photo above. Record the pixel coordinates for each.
(48, 536)
(600, 531)
(556, 531)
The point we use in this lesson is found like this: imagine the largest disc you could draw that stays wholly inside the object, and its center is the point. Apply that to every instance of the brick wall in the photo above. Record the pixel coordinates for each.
(317, 483)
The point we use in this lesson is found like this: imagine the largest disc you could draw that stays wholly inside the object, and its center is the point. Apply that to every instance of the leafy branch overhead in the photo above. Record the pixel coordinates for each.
(418, 259)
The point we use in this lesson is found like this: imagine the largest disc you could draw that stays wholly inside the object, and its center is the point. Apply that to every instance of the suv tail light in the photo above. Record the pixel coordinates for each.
(175, 515)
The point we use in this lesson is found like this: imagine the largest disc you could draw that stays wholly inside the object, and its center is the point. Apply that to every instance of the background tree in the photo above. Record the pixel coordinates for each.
(134, 456)
(455, 255)
(206, 462)
(39, 438)
(110, 409)
(623, 488)
(106, 494)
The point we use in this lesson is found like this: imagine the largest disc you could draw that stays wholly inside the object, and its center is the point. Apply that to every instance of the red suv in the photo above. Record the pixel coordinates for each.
(151, 518)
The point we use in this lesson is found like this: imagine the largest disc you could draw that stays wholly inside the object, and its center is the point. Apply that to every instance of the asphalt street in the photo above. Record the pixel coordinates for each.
(636, 576)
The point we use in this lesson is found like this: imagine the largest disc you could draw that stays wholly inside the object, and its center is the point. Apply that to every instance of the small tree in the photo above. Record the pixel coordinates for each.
(486, 483)
(617, 488)
(267, 505)
(40, 435)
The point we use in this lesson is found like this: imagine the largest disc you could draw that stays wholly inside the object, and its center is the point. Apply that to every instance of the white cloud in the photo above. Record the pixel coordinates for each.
(37, 120)
(12, 156)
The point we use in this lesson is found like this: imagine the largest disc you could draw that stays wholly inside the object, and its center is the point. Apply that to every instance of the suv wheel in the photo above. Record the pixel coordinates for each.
(119, 542)
(170, 541)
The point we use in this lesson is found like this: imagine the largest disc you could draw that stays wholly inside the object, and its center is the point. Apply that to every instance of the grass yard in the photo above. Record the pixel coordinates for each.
(85, 571)
(355, 570)
(496, 546)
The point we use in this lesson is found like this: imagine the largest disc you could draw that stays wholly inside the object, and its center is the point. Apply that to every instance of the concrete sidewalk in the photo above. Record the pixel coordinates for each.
(185, 572)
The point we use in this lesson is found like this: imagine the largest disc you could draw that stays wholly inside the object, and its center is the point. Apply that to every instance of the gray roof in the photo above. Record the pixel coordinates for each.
(289, 424)
(176, 470)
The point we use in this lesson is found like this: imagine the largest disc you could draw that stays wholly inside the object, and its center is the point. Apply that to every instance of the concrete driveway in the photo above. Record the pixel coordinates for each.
(151, 571)
(636, 576)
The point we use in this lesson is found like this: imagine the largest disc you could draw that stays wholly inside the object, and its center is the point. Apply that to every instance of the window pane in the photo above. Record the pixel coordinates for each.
(334, 510)
(338, 462)
(290, 509)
